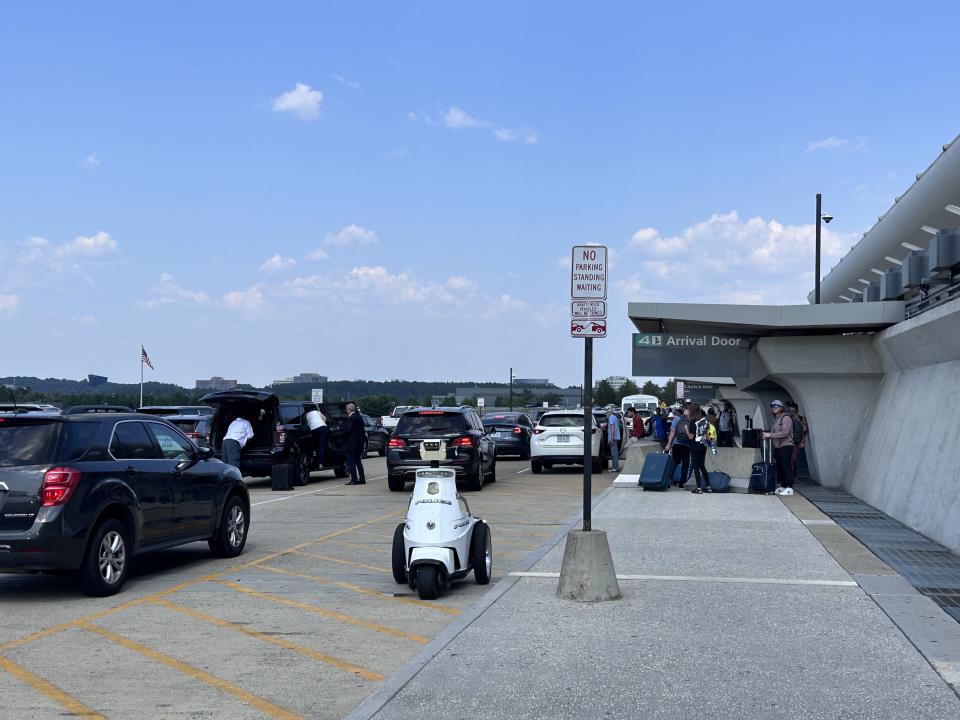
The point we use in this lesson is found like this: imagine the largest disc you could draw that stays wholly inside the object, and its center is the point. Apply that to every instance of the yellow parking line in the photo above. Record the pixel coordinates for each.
(319, 556)
(323, 612)
(53, 630)
(279, 642)
(68, 702)
(363, 546)
(264, 706)
(365, 591)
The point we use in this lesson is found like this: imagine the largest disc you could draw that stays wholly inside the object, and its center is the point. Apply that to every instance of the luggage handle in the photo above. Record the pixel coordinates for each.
(767, 450)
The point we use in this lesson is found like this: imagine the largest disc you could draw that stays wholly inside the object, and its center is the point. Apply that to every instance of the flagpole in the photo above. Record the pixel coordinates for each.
(141, 376)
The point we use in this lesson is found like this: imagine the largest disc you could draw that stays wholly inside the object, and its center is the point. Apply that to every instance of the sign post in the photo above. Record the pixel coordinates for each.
(587, 572)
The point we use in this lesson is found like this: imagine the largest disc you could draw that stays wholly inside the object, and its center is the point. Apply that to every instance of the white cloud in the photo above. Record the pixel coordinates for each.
(318, 254)
(88, 246)
(835, 144)
(249, 300)
(352, 84)
(461, 282)
(351, 235)
(91, 161)
(531, 137)
(303, 102)
(166, 292)
(277, 263)
(9, 302)
(458, 118)
(726, 259)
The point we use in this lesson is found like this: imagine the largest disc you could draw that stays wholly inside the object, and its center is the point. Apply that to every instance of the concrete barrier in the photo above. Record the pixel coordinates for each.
(734, 461)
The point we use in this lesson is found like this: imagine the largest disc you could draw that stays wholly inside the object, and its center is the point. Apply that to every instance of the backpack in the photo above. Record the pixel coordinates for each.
(797, 430)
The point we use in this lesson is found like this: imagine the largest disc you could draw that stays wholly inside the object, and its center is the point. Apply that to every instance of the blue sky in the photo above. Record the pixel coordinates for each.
(253, 191)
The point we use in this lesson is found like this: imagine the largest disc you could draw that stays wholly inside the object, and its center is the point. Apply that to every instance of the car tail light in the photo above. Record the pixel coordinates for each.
(58, 485)
(517, 430)
(466, 441)
(281, 436)
(537, 431)
(193, 435)
(397, 444)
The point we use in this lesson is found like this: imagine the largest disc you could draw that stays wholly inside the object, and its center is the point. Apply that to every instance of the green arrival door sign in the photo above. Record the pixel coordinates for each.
(648, 340)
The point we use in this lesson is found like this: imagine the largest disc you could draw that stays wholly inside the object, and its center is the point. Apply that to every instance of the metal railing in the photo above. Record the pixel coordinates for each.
(932, 297)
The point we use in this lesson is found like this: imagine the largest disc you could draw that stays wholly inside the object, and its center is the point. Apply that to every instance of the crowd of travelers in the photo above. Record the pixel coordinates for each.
(688, 433)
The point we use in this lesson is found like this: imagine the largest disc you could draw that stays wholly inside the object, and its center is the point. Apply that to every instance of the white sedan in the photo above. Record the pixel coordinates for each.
(558, 440)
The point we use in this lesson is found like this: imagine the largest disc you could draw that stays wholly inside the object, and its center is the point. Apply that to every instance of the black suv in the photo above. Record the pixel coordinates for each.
(85, 493)
(280, 433)
(454, 437)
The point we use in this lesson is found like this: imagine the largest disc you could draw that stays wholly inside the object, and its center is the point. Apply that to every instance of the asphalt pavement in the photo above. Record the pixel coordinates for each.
(308, 622)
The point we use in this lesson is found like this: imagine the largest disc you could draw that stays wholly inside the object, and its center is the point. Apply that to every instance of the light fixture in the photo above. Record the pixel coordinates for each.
(928, 229)
(844, 297)
(878, 272)
(854, 290)
(865, 282)
(952, 208)
(911, 246)
(893, 260)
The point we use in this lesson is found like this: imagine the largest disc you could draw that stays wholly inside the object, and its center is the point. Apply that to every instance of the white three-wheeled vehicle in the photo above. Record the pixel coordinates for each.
(440, 541)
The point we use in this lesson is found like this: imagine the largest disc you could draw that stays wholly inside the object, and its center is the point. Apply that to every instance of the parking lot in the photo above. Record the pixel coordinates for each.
(305, 623)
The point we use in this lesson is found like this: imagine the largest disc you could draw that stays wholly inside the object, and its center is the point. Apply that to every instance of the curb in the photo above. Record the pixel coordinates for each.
(387, 690)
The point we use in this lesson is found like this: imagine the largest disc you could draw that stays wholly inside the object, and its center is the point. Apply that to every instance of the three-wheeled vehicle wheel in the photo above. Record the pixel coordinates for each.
(481, 553)
(428, 582)
(399, 555)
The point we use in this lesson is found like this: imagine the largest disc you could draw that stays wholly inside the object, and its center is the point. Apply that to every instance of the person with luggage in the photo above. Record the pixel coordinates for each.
(614, 436)
(781, 436)
(678, 444)
(319, 430)
(354, 441)
(697, 429)
(725, 427)
(239, 432)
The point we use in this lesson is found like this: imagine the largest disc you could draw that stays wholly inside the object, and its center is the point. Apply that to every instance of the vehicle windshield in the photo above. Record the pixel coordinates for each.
(500, 418)
(400, 410)
(432, 423)
(33, 444)
(562, 421)
(290, 414)
(160, 411)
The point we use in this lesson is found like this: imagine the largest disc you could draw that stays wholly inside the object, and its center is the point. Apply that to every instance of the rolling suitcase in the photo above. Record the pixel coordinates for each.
(281, 477)
(719, 482)
(750, 438)
(657, 471)
(763, 475)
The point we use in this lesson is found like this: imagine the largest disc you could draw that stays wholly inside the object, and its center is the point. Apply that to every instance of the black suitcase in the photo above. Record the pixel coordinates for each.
(281, 477)
(763, 475)
(750, 438)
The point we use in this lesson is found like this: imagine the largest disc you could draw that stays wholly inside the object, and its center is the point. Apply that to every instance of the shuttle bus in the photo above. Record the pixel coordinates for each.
(645, 405)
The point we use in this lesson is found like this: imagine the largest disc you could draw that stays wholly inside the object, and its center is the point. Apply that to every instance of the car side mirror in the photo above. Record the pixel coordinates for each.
(205, 452)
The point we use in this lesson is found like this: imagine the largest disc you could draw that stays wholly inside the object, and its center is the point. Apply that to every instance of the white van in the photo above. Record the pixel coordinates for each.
(645, 405)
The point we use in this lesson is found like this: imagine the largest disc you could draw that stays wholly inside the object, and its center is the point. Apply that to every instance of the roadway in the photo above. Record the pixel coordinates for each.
(306, 623)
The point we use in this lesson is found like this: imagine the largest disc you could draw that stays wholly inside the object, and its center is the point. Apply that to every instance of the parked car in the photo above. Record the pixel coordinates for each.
(97, 409)
(28, 408)
(377, 437)
(194, 427)
(558, 440)
(281, 437)
(510, 432)
(389, 422)
(454, 437)
(87, 493)
(170, 410)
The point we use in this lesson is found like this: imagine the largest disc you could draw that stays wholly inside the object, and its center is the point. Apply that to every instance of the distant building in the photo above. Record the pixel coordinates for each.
(569, 397)
(535, 382)
(216, 383)
(302, 378)
(616, 382)
(94, 380)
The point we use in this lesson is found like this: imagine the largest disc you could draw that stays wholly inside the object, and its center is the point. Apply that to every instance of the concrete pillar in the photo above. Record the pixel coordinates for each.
(587, 573)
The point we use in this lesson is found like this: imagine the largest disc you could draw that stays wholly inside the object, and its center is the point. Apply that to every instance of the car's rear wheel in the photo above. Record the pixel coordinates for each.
(474, 480)
(399, 555)
(428, 582)
(382, 452)
(231, 536)
(599, 466)
(340, 471)
(301, 468)
(107, 563)
(536, 467)
(525, 452)
(492, 477)
(396, 484)
(481, 553)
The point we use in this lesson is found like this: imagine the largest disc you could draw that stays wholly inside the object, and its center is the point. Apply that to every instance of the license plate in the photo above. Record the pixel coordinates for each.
(563, 438)
(431, 446)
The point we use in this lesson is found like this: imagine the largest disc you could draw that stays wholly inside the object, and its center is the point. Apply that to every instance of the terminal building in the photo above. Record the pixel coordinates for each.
(216, 383)
(875, 367)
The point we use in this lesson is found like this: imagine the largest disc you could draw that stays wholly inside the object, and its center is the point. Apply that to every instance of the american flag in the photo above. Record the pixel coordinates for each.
(144, 358)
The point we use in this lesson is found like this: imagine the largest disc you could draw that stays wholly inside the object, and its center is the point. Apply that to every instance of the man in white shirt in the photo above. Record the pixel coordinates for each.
(319, 430)
(239, 432)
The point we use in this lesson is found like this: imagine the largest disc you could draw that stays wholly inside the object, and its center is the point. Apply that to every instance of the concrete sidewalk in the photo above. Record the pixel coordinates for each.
(731, 608)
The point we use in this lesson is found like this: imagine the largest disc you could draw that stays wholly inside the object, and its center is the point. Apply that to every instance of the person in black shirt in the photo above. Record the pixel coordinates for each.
(696, 430)
(356, 437)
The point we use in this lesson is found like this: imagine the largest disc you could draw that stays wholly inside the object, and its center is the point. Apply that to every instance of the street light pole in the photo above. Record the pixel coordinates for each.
(511, 389)
(816, 287)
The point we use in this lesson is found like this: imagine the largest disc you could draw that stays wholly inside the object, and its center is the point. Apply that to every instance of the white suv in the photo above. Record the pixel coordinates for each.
(558, 440)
